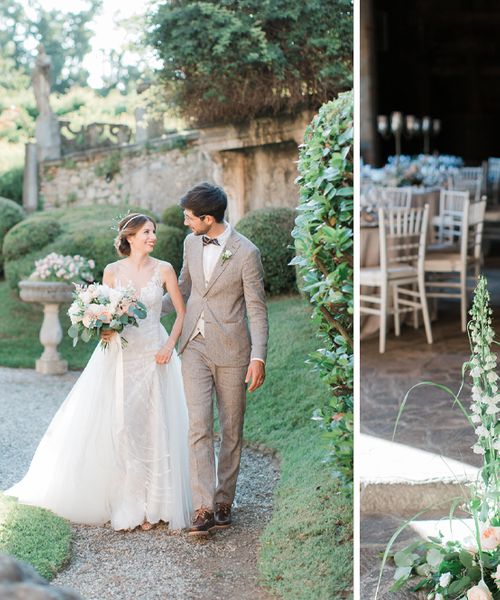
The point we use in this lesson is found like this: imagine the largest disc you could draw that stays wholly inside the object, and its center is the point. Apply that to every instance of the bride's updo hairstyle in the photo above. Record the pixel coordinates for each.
(129, 225)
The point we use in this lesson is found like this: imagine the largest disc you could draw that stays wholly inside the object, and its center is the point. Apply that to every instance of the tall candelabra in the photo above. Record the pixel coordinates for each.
(397, 125)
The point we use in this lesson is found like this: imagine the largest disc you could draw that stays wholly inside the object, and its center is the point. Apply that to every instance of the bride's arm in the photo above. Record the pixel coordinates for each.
(170, 280)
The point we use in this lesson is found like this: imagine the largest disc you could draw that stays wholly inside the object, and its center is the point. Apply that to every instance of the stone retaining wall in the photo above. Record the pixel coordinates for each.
(255, 163)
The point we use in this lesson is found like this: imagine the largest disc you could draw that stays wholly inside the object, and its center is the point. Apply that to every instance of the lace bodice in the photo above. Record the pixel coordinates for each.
(150, 335)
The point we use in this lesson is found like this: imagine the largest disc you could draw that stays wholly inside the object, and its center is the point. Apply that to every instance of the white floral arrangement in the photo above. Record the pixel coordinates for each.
(425, 170)
(68, 269)
(98, 307)
(467, 569)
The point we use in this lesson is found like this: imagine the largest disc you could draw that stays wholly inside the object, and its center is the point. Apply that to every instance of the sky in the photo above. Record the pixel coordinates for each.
(108, 35)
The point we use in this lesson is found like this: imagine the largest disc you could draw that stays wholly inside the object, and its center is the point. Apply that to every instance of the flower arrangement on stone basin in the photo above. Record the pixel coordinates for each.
(65, 269)
(465, 569)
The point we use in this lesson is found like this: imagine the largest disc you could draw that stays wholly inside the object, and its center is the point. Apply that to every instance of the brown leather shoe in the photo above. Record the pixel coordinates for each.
(203, 522)
(222, 515)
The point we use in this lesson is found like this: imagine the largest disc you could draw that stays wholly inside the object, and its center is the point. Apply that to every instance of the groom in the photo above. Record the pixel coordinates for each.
(222, 283)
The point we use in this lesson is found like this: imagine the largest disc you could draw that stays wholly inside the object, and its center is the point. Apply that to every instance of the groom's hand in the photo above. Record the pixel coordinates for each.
(256, 374)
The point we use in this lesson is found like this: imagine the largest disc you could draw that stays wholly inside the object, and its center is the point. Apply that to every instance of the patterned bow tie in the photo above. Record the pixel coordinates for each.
(207, 240)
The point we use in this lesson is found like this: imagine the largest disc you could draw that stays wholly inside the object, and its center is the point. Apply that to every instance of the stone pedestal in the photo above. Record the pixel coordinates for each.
(51, 295)
(48, 137)
(30, 181)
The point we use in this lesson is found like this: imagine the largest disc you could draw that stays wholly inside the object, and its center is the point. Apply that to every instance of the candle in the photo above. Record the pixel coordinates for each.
(382, 124)
(396, 121)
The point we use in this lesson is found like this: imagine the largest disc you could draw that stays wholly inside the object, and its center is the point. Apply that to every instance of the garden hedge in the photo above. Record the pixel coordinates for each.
(11, 184)
(270, 230)
(174, 216)
(88, 231)
(10, 214)
(324, 244)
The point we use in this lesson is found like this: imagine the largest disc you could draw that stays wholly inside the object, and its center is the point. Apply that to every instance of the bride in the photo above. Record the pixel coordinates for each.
(116, 450)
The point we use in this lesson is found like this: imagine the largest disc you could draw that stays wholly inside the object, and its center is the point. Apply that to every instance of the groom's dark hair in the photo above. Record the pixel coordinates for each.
(206, 199)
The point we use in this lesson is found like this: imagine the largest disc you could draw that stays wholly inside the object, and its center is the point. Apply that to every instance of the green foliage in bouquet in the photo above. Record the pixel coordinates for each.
(86, 231)
(10, 214)
(466, 569)
(270, 230)
(324, 246)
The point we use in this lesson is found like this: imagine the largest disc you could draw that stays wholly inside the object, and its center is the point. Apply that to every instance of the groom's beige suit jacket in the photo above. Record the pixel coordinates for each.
(232, 302)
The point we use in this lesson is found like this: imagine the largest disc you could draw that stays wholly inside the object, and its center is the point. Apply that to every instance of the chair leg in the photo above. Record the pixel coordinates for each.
(425, 309)
(463, 299)
(415, 310)
(383, 317)
(395, 304)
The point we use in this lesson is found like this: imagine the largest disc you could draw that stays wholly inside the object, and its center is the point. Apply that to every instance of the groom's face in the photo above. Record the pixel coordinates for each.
(198, 225)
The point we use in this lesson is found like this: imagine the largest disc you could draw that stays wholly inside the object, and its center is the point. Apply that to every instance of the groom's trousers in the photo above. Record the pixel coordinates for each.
(201, 379)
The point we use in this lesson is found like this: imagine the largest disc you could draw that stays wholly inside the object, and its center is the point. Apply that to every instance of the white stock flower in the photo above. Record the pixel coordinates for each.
(444, 580)
(481, 431)
(492, 376)
(476, 418)
(478, 449)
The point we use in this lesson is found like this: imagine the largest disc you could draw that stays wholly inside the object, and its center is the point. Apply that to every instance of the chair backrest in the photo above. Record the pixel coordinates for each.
(472, 235)
(452, 205)
(493, 180)
(402, 234)
(467, 183)
(387, 197)
(471, 173)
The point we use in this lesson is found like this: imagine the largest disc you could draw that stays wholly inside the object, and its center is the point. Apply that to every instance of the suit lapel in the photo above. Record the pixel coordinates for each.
(232, 245)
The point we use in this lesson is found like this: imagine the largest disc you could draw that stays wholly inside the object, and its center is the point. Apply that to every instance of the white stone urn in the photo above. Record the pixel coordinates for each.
(51, 294)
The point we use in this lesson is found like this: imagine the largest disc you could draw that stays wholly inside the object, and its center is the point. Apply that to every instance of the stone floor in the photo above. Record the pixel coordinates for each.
(429, 422)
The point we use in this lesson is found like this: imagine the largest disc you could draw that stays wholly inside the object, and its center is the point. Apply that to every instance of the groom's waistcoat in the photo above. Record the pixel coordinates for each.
(233, 302)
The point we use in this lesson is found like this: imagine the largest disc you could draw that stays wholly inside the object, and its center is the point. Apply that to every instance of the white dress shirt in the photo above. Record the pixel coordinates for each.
(211, 254)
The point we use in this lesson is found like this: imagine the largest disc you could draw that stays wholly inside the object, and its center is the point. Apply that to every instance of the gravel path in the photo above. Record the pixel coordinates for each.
(157, 564)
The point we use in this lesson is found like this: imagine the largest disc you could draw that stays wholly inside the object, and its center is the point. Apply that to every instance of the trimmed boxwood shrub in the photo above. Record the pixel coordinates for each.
(11, 184)
(88, 231)
(30, 235)
(174, 216)
(10, 214)
(270, 230)
(169, 245)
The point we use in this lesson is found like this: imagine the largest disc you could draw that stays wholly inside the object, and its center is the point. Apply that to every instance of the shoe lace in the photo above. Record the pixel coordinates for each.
(225, 509)
(204, 513)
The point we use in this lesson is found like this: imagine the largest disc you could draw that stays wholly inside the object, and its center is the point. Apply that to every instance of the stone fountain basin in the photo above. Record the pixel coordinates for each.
(46, 292)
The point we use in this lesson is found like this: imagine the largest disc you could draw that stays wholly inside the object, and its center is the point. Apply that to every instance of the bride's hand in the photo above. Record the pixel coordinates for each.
(107, 334)
(163, 356)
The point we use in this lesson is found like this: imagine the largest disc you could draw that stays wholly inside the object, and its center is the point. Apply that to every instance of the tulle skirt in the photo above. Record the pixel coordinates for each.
(116, 450)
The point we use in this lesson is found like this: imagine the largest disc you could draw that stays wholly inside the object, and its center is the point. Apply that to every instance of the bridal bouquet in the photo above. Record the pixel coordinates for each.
(466, 569)
(98, 307)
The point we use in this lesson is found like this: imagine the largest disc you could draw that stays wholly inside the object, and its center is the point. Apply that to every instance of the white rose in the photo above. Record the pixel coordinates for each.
(444, 580)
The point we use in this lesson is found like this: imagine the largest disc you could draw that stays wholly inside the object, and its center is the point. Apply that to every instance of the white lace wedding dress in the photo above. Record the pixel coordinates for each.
(116, 450)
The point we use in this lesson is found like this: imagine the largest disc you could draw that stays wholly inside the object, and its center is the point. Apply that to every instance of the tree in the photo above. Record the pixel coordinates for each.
(236, 59)
(66, 37)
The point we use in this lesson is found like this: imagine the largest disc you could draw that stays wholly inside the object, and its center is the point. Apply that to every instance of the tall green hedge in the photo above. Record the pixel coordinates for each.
(87, 231)
(11, 184)
(324, 245)
(270, 229)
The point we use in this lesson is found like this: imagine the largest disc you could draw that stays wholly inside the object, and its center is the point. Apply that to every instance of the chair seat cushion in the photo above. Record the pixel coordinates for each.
(373, 275)
(443, 262)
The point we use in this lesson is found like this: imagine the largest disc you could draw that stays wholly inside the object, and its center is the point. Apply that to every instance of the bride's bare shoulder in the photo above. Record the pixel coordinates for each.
(111, 268)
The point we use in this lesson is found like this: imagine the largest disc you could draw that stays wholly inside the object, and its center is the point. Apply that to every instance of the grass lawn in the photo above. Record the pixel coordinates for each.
(34, 535)
(306, 549)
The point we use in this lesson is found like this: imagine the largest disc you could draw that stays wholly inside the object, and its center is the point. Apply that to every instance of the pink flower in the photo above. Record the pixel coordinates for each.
(479, 592)
(490, 538)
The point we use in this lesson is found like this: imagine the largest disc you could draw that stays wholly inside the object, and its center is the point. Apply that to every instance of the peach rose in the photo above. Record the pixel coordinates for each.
(490, 538)
(479, 592)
